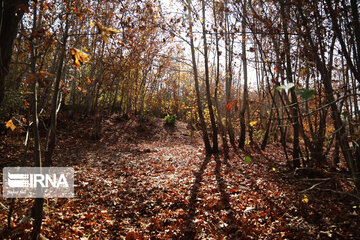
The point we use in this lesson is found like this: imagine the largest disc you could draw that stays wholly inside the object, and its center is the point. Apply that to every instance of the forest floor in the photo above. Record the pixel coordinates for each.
(150, 181)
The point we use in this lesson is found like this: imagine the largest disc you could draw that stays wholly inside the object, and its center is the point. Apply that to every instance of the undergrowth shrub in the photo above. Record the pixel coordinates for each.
(170, 120)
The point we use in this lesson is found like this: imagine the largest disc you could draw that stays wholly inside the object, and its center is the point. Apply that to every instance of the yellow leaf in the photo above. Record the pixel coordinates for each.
(253, 123)
(104, 31)
(91, 24)
(10, 124)
(273, 169)
(305, 199)
(79, 57)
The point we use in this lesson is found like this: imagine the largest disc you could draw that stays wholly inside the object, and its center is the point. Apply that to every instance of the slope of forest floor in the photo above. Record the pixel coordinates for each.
(150, 181)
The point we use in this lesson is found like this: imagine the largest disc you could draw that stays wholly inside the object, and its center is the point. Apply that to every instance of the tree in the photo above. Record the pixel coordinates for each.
(11, 12)
(208, 94)
(294, 103)
(244, 105)
(195, 72)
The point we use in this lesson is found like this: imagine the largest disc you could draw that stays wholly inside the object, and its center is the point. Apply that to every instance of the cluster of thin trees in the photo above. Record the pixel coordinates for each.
(306, 58)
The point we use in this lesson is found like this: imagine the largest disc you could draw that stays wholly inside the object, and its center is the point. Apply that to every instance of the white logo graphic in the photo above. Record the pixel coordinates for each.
(19, 180)
(33, 182)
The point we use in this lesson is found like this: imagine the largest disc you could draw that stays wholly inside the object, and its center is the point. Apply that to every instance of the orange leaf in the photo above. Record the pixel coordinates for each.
(229, 106)
(10, 124)
(79, 57)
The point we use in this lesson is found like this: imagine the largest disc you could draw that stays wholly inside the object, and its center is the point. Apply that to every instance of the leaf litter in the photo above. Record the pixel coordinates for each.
(143, 180)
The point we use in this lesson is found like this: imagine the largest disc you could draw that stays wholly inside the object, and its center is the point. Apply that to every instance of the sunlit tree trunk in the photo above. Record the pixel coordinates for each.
(228, 77)
(245, 104)
(195, 72)
(217, 79)
(207, 83)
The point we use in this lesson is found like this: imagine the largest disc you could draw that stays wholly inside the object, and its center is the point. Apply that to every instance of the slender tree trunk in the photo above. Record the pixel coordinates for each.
(215, 148)
(339, 35)
(294, 107)
(267, 131)
(355, 21)
(228, 78)
(51, 138)
(197, 90)
(217, 76)
(244, 105)
(341, 135)
(37, 210)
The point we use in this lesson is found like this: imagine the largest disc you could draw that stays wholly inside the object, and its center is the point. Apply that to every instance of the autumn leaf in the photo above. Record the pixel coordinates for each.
(87, 80)
(305, 199)
(228, 106)
(10, 124)
(79, 57)
(105, 31)
(248, 159)
(253, 123)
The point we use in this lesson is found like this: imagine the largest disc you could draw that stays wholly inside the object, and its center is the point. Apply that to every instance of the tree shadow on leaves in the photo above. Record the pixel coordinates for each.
(189, 227)
(232, 225)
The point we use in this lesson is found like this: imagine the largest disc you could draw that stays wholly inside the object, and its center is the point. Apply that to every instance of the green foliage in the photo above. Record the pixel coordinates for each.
(170, 119)
(305, 93)
(248, 159)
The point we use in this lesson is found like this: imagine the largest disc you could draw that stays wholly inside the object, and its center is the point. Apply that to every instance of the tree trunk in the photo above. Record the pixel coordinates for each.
(294, 107)
(208, 95)
(198, 96)
(228, 79)
(341, 135)
(244, 105)
(10, 17)
(217, 77)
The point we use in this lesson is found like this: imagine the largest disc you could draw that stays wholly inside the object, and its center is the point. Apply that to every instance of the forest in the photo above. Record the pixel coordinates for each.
(183, 119)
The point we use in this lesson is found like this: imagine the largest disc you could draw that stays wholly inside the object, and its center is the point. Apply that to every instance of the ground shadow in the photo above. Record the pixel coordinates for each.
(232, 228)
(189, 227)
